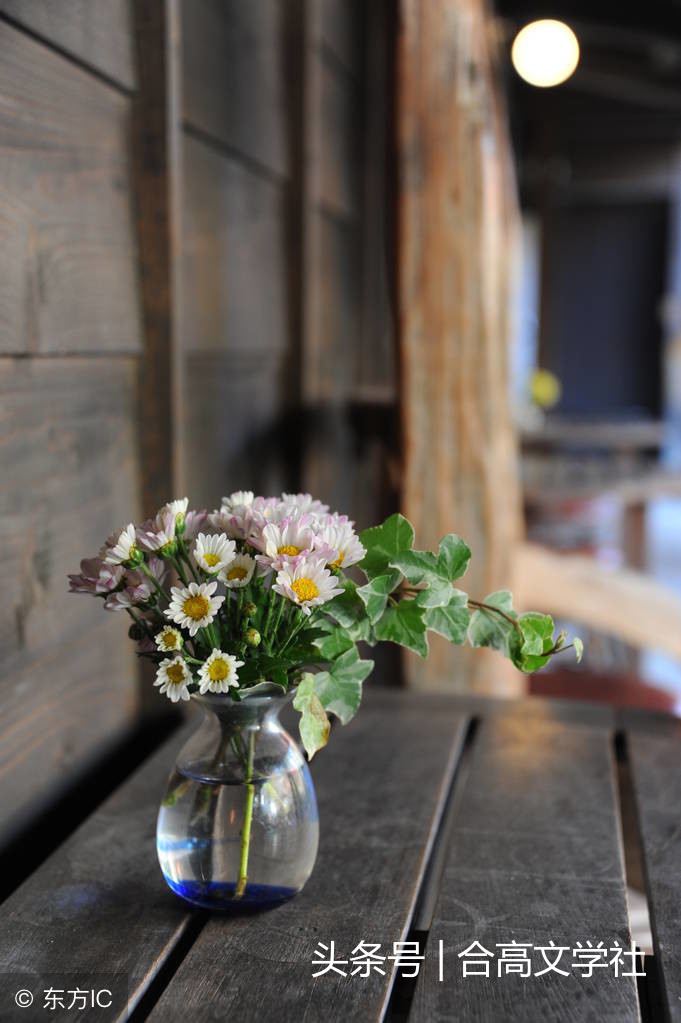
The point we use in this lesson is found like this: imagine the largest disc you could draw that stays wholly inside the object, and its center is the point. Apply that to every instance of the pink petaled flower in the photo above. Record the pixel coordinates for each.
(242, 523)
(131, 596)
(157, 534)
(96, 576)
(303, 503)
(339, 543)
(193, 522)
(280, 541)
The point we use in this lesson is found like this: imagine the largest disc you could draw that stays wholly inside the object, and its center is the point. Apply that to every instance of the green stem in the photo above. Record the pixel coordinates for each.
(180, 571)
(155, 581)
(480, 606)
(248, 818)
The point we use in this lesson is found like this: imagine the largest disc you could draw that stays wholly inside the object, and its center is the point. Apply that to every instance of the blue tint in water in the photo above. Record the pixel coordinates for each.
(220, 895)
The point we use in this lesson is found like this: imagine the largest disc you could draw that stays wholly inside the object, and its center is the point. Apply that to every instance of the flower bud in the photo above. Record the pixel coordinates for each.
(179, 523)
(169, 550)
(249, 609)
(136, 632)
(135, 557)
(252, 637)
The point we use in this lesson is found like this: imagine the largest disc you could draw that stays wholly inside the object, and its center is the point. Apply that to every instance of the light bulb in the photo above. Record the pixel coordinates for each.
(545, 52)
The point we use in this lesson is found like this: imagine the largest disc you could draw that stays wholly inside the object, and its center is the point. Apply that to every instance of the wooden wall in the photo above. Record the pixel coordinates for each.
(194, 288)
(70, 340)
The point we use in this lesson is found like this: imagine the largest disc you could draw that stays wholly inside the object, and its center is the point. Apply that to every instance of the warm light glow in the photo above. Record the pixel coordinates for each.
(545, 52)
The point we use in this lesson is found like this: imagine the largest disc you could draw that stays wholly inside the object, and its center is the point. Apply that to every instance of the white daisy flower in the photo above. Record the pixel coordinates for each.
(218, 672)
(169, 639)
(304, 503)
(173, 676)
(193, 607)
(239, 499)
(306, 582)
(213, 553)
(239, 572)
(123, 547)
(343, 541)
(287, 539)
(175, 508)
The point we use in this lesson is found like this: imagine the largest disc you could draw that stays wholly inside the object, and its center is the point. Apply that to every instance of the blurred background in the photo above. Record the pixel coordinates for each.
(341, 247)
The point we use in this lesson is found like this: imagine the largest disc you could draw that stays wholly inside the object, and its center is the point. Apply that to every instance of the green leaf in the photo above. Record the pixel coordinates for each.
(347, 608)
(404, 624)
(340, 688)
(334, 644)
(416, 565)
(385, 542)
(452, 620)
(314, 725)
(375, 594)
(454, 555)
(435, 572)
(536, 629)
(437, 593)
(489, 629)
(579, 648)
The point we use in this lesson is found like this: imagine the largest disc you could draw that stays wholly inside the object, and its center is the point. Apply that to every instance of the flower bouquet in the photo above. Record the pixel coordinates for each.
(262, 600)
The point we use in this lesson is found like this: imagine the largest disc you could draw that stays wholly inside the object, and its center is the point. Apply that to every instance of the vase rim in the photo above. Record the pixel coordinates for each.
(224, 700)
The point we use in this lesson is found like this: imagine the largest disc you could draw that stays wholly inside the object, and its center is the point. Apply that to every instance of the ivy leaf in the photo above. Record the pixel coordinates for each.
(385, 542)
(314, 726)
(452, 620)
(437, 572)
(404, 624)
(536, 629)
(487, 628)
(347, 608)
(454, 555)
(437, 593)
(333, 644)
(340, 688)
(375, 594)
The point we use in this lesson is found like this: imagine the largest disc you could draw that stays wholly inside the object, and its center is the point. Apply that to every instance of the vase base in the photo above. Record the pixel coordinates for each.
(220, 896)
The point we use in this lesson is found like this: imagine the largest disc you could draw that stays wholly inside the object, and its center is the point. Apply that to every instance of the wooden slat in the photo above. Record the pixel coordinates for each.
(67, 262)
(339, 121)
(237, 433)
(380, 787)
(235, 244)
(340, 28)
(655, 759)
(97, 32)
(68, 449)
(535, 856)
(99, 904)
(238, 82)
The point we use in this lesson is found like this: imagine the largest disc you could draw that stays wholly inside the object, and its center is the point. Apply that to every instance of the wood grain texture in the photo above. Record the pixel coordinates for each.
(456, 214)
(67, 447)
(236, 83)
(340, 28)
(67, 263)
(380, 788)
(99, 904)
(234, 257)
(338, 119)
(655, 761)
(97, 32)
(535, 856)
(239, 433)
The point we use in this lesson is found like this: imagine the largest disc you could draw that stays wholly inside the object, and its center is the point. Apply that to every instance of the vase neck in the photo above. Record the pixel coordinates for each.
(250, 713)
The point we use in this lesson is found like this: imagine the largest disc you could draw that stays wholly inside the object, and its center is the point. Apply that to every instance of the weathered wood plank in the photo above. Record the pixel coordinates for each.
(337, 150)
(235, 249)
(237, 81)
(655, 760)
(380, 787)
(157, 141)
(240, 430)
(534, 857)
(67, 262)
(97, 32)
(340, 28)
(68, 449)
(99, 903)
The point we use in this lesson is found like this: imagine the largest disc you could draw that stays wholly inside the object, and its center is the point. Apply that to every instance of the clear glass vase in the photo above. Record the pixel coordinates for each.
(238, 825)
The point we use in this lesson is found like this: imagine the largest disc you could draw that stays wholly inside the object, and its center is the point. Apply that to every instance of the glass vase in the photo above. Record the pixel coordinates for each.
(238, 825)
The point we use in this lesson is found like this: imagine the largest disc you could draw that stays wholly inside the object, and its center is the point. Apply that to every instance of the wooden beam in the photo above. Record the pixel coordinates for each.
(156, 147)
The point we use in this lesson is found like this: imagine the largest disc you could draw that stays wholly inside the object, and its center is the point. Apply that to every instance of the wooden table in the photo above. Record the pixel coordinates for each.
(443, 822)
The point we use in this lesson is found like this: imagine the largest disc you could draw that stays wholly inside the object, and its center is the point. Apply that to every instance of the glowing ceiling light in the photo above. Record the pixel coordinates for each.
(545, 52)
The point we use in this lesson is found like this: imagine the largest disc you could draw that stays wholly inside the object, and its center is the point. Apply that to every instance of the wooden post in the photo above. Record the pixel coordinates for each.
(156, 148)
(456, 209)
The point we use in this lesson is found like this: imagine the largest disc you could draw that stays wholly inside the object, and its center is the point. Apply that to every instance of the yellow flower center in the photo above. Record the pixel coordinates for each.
(289, 549)
(237, 573)
(304, 589)
(196, 607)
(218, 670)
(175, 674)
(211, 559)
(169, 641)
(338, 562)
